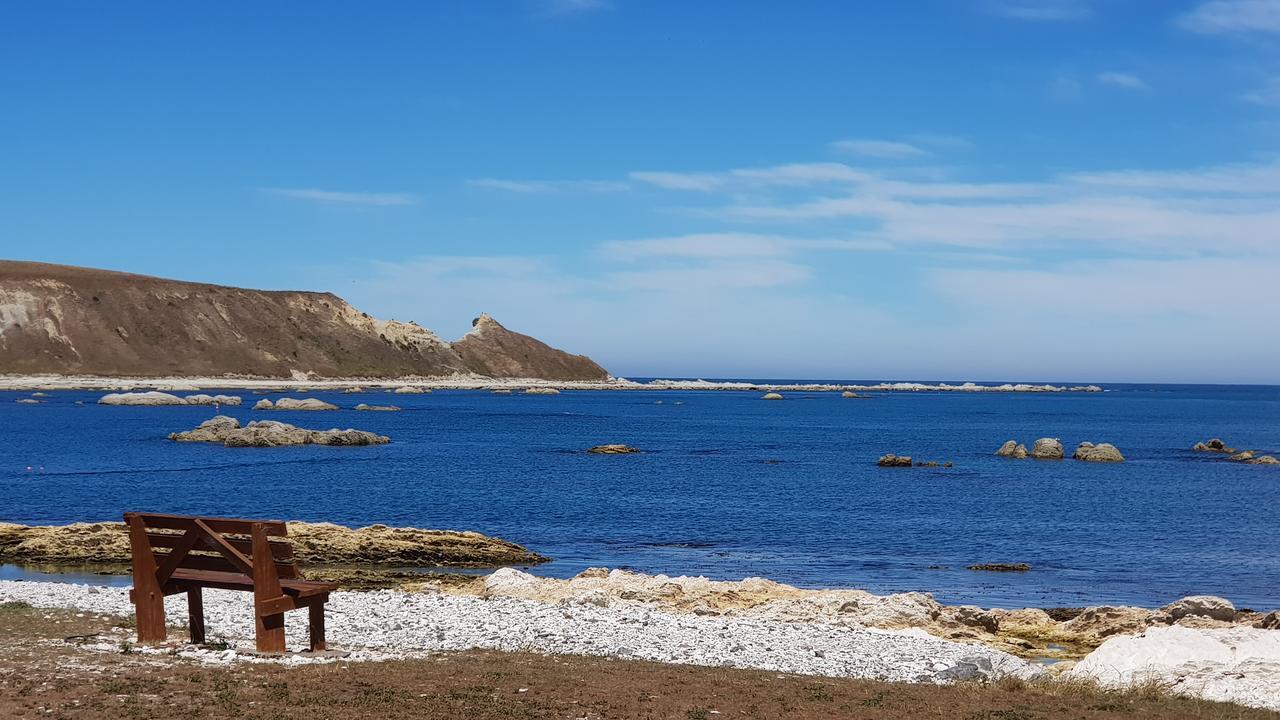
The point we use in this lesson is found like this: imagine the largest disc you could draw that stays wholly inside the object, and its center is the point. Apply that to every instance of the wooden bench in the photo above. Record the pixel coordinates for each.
(175, 554)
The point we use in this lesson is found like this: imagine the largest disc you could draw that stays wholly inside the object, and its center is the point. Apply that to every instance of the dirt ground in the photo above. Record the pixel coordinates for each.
(44, 674)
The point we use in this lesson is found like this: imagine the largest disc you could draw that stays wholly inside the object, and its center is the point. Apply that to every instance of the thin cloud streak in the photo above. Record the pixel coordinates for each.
(884, 149)
(1123, 80)
(548, 186)
(1233, 16)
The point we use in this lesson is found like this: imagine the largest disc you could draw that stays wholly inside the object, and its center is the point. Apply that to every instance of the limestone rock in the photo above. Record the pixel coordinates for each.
(27, 401)
(410, 390)
(1202, 605)
(269, 433)
(1012, 449)
(1047, 449)
(230, 400)
(152, 398)
(376, 408)
(541, 391)
(1213, 445)
(287, 403)
(1105, 621)
(1102, 452)
(613, 450)
(891, 460)
(771, 396)
(502, 391)
(1239, 664)
(1264, 460)
(852, 394)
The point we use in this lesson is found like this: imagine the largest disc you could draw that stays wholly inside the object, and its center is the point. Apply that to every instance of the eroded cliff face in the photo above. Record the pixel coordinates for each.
(61, 319)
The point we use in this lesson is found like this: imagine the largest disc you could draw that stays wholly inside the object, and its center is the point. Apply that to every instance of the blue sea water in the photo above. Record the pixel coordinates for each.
(730, 486)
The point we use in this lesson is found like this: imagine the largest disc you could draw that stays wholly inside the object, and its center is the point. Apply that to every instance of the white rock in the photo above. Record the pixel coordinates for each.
(1239, 664)
(142, 398)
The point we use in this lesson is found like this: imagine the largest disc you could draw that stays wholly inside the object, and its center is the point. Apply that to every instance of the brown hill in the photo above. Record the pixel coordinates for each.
(71, 320)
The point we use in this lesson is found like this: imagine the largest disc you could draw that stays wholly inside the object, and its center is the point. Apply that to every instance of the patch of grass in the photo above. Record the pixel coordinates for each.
(14, 606)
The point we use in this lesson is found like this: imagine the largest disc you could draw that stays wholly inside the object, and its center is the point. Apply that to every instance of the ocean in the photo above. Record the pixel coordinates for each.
(729, 486)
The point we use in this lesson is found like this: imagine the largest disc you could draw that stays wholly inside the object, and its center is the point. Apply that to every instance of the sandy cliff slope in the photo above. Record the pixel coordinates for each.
(62, 319)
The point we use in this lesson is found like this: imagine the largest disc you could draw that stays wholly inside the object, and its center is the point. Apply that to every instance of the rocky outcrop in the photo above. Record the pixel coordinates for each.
(27, 401)
(71, 320)
(1240, 665)
(1012, 449)
(1208, 606)
(1213, 445)
(269, 433)
(365, 407)
(852, 394)
(1264, 460)
(314, 544)
(612, 450)
(541, 391)
(771, 396)
(411, 390)
(294, 404)
(1102, 452)
(493, 350)
(891, 460)
(141, 398)
(1047, 449)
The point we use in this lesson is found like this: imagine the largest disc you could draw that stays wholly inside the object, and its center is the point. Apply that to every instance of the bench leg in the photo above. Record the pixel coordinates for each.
(317, 627)
(147, 595)
(270, 633)
(195, 615)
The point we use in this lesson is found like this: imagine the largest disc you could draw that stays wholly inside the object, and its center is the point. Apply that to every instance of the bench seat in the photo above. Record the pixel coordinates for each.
(240, 581)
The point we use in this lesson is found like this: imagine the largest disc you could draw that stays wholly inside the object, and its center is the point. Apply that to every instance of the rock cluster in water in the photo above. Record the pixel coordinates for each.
(891, 460)
(1051, 449)
(269, 433)
(1248, 457)
(294, 404)
(155, 398)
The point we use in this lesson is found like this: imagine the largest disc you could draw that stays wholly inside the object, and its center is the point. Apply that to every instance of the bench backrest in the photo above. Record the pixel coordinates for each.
(204, 543)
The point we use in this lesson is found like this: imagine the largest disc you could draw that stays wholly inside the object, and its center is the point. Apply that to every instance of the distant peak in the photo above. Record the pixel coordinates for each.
(484, 319)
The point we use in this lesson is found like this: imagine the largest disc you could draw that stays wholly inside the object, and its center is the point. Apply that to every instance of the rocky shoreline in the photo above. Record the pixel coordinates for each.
(13, 382)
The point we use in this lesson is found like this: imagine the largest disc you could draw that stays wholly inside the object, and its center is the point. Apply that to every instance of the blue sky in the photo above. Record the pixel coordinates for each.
(962, 189)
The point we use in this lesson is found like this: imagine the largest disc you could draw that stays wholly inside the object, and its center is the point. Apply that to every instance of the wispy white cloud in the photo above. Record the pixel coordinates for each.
(1268, 94)
(942, 141)
(1233, 16)
(548, 186)
(1126, 81)
(727, 245)
(334, 197)
(886, 149)
(791, 175)
(1039, 10)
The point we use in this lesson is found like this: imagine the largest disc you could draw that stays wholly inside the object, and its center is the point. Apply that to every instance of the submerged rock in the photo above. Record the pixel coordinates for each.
(141, 398)
(1264, 460)
(541, 391)
(294, 404)
(269, 433)
(771, 396)
(852, 394)
(502, 391)
(1047, 449)
(891, 460)
(377, 408)
(613, 450)
(934, 464)
(27, 401)
(1000, 567)
(1012, 449)
(1242, 456)
(410, 390)
(1213, 445)
(1102, 452)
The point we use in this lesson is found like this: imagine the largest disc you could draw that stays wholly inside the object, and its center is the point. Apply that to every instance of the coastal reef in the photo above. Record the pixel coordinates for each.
(269, 433)
(73, 320)
(1248, 457)
(319, 544)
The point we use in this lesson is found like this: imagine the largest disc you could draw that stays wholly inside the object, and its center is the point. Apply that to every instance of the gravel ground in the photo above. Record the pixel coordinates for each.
(389, 624)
